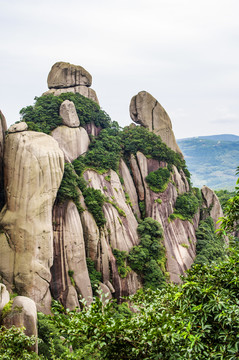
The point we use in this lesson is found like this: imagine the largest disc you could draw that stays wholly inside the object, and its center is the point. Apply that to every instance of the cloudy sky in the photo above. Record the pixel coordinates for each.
(184, 52)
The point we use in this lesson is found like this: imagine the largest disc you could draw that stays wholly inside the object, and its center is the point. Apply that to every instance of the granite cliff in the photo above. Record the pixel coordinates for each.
(75, 195)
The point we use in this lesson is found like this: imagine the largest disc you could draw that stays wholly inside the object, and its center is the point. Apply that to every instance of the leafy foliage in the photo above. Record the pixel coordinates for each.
(121, 257)
(186, 206)
(14, 344)
(94, 201)
(48, 335)
(224, 196)
(158, 179)
(44, 114)
(140, 139)
(196, 320)
(148, 258)
(209, 247)
(230, 222)
(95, 276)
(68, 188)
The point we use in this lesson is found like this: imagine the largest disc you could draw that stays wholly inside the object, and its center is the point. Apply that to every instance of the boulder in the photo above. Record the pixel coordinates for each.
(64, 75)
(147, 111)
(22, 126)
(23, 312)
(69, 114)
(4, 296)
(72, 141)
(33, 170)
(213, 205)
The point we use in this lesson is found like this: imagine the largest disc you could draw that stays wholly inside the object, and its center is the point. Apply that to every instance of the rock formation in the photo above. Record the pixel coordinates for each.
(33, 169)
(46, 243)
(22, 313)
(147, 111)
(65, 77)
(212, 204)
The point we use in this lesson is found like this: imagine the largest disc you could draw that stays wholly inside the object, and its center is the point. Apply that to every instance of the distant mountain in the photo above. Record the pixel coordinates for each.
(212, 160)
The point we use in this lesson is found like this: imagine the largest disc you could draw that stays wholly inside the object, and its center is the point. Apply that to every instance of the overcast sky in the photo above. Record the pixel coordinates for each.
(184, 52)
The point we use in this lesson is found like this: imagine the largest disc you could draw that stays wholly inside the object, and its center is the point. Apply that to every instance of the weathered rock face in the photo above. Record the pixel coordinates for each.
(68, 114)
(120, 231)
(212, 203)
(83, 90)
(23, 313)
(22, 126)
(33, 169)
(63, 75)
(70, 276)
(4, 296)
(72, 141)
(179, 236)
(146, 110)
(3, 128)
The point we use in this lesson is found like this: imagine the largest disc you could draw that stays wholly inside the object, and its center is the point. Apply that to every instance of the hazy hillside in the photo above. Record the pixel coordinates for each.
(212, 160)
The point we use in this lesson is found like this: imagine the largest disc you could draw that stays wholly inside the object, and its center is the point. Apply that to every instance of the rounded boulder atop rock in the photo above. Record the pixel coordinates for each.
(63, 75)
(69, 114)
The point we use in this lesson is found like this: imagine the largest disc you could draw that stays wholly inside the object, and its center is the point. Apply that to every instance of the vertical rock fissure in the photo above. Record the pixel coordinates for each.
(142, 180)
(156, 102)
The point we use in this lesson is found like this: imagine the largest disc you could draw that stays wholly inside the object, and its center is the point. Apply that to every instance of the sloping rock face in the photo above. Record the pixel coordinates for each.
(3, 128)
(147, 111)
(72, 141)
(70, 277)
(4, 296)
(23, 313)
(179, 236)
(120, 231)
(213, 205)
(33, 169)
(66, 77)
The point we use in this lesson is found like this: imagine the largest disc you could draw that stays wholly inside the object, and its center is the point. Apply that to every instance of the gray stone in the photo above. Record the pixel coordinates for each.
(69, 114)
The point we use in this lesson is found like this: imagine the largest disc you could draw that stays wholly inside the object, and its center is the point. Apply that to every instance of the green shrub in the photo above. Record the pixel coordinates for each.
(158, 180)
(47, 332)
(15, 345)
(121, 258)
(140, 139)
(148, 258)
(44, 114)
(209, 247)
(94, 201)
(68, 188)
(95, 276)
(187, 205)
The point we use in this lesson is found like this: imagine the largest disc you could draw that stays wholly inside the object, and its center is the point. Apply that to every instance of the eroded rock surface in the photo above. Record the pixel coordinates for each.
(147, 111)
(33, 169)
(4, 296)
(19, 127)
(120, 231)
(69, 271)
(63, 75)
(212, 203)
(69, 114)
(72, 141)
(23, 313)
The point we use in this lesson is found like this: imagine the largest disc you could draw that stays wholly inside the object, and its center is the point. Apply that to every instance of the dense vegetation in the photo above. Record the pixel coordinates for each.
(224, 196)
(210, 247)
(44, 114)
(186, 206)
(148, 258)
(158, 180)
(196, 320)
